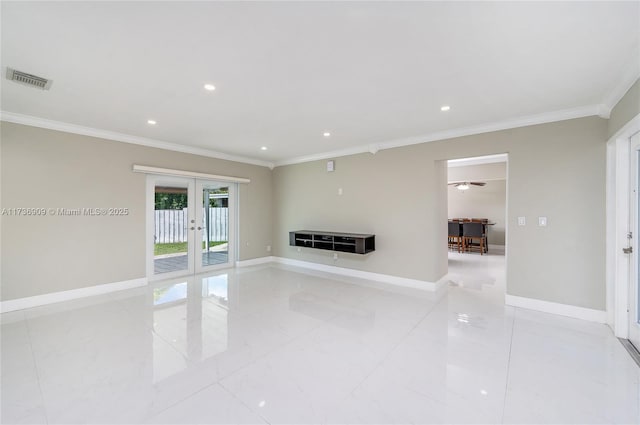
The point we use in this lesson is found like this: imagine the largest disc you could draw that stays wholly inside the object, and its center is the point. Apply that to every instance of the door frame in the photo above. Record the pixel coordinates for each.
(232, 219)
(634, 331)
(152, 180)
(617, 226)
(192, 184)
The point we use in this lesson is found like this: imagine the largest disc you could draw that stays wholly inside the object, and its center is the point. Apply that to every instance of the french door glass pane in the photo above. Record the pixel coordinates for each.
(171, 224)
(215, 225)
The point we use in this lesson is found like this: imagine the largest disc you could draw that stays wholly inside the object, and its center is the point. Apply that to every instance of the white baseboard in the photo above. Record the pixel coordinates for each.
(73, 294)
(598, 316)
(378, 277)
(254, 261)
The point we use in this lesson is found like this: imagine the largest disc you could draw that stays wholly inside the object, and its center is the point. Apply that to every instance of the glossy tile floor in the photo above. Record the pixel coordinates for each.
(274, 344)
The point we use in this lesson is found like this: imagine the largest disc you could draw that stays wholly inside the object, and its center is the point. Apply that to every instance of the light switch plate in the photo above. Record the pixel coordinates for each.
(522, 221)
(542, 221)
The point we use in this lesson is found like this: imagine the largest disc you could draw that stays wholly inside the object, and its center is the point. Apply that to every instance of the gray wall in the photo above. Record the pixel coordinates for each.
(44, 168)
(627, 108)
(555, 170)
(482, 172)
(378, 197)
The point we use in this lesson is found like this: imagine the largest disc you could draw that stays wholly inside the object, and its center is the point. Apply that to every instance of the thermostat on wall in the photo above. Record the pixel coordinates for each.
(330, 165)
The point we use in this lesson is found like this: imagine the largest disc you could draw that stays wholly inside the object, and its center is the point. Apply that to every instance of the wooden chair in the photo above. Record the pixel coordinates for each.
(474, 237)
(454, 237)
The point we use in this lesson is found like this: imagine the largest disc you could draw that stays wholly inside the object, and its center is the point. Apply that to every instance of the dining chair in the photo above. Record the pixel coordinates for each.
(454, 237)
(474, 237)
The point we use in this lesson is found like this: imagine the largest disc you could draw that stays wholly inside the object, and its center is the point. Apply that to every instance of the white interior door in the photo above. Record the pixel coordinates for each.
(190, 226)
(634, 237)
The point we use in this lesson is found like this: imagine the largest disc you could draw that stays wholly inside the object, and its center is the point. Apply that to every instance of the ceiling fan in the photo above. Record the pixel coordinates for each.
(466, 185)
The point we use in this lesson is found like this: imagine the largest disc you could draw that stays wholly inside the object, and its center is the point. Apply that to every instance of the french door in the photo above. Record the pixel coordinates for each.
(190, 226)
(634, 236)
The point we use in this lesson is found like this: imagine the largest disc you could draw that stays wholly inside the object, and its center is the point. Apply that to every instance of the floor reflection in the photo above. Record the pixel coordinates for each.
(191, 315)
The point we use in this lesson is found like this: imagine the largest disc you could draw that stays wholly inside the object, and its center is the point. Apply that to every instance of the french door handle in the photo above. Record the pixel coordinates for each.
(627, 250)
(192, 228)
(199, 228)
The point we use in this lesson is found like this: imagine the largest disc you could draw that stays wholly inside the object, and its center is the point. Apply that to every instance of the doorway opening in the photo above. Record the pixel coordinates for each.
(477, 221)
(190, 226)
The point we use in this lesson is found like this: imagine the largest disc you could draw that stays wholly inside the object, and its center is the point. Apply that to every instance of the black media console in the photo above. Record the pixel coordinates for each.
(355, 243)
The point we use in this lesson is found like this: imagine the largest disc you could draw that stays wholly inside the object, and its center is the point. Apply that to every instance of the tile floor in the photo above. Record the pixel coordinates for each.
(276, 344)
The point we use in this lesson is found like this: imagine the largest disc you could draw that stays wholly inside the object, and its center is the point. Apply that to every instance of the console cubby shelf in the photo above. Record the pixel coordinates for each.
(354, 243)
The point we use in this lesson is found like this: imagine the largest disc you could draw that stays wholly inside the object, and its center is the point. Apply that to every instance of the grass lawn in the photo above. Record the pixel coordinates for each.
(178, 247)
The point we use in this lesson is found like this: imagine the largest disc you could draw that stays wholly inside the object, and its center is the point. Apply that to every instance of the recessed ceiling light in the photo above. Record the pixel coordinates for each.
(264, 148)
(326, 134)
(445, 108)
(209, 87)
(151, 122)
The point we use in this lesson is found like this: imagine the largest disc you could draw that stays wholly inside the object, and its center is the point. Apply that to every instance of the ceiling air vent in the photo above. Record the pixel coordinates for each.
(28, 79)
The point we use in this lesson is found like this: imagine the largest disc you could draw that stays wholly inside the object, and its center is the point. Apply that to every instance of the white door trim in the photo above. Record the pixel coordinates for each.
(617, 263)
(190, 174)
(634, 330)
(231, 223)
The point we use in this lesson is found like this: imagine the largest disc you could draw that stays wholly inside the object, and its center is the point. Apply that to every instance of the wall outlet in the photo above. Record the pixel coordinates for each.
(522, 221)
(339, 191)
(299, 249)
(268, 248)
(542, 221)
(335, 255)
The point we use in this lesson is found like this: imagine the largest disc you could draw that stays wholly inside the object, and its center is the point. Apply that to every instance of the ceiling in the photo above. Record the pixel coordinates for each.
(373, 74)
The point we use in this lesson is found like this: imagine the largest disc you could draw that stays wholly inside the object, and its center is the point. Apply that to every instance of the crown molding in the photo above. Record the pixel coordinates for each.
(125, 138)
(547, 117)
(630, 75)
(325, 155)
(601, 110)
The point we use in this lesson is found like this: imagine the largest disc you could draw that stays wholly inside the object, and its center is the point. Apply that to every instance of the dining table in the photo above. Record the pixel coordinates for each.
(485, 223)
